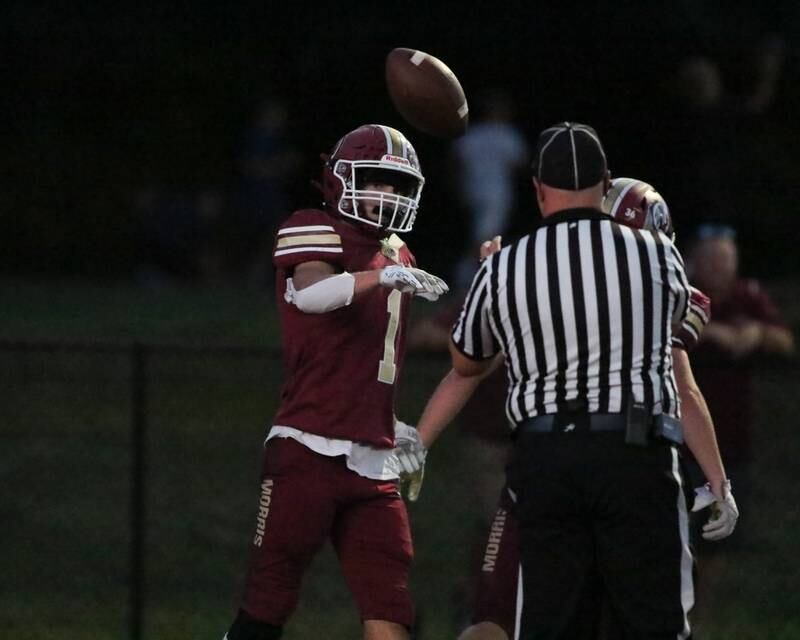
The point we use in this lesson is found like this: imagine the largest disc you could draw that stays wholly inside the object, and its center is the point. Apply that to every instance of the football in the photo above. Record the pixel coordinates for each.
(426, 93)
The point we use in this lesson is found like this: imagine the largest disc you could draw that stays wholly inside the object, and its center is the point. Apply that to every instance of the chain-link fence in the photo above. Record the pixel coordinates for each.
(125, 475)
(128, 487)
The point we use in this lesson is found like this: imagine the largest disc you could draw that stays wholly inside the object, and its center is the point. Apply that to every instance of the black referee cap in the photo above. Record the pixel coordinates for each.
(569, 156)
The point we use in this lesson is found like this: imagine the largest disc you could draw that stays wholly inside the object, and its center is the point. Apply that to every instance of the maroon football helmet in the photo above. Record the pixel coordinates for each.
(637, 204)
(372, 155)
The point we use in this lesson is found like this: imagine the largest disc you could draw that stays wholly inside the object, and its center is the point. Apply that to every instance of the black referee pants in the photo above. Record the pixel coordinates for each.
(592, 507)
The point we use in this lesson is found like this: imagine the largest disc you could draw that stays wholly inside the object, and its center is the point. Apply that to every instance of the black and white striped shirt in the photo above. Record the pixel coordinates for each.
(583, 308)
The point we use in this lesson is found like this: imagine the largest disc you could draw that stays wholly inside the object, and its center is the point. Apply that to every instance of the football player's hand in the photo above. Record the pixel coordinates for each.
(490, 247)
(433, 285)
(411, 454)
(412, 280)
(414, 482)
(724, 512)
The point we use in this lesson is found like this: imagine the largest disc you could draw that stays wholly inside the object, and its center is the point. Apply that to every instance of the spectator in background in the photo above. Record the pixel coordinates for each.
(265, 161)
(713, 119)
(745, 325)
(484, 165)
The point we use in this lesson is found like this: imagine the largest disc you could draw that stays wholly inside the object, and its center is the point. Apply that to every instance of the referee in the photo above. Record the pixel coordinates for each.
(583, 310)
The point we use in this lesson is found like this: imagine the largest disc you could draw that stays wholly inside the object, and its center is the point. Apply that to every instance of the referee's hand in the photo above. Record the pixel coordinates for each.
(724, 512)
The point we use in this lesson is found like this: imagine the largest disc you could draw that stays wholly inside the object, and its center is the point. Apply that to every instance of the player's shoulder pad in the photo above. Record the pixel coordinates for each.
(308, 217)
(306, 235)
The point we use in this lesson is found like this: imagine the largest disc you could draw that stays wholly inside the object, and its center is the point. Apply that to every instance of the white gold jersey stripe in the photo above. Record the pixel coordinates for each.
(330, 238)
(308, 229)
(283, 252)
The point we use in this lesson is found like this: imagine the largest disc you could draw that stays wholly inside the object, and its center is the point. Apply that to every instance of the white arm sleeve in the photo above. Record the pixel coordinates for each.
(325, 295)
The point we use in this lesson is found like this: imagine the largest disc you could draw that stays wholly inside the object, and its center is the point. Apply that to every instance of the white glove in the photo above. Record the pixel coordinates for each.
(724, 513)
(411, 280)
(411, 453)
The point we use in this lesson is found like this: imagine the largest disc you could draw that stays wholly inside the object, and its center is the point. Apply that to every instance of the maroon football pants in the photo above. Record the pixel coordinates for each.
(498, 597)
(307, 498)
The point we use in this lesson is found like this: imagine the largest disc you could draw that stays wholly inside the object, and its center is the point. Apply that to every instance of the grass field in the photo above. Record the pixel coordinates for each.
(65, 464)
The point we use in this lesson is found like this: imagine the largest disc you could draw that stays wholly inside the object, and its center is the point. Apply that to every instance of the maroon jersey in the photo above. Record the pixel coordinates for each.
(341, 367)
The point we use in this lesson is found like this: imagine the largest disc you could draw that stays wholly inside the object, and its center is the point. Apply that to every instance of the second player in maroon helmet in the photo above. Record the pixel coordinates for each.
(637, 204)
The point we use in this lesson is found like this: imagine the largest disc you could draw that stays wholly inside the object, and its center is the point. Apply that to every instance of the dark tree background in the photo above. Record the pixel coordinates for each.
(102, 99)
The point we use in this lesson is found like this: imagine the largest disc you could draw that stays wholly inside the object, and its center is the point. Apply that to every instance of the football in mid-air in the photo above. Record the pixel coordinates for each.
(426, 93)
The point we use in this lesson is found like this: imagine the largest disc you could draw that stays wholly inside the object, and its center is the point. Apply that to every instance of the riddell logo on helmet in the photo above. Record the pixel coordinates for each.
(660, 216)
(397, 159)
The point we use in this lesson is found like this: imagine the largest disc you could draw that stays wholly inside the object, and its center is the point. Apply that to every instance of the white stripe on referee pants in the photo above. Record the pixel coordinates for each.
(518, 613)
(687, 585)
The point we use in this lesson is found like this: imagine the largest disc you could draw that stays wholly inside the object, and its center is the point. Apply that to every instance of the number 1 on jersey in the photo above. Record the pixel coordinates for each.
(387, 368)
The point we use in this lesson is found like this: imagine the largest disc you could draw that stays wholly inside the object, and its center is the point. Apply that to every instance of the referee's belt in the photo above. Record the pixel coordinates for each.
(663, 426)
